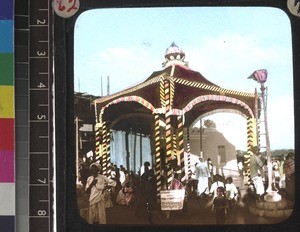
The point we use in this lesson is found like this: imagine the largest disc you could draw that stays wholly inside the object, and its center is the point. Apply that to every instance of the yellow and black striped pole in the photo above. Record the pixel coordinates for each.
(168, 131)
(107, 163)
(188, 153)
(157, 154)
(174, 142)
(162, 92)
(98, 138)
(104, 149)
(181, 147)
(251, 141)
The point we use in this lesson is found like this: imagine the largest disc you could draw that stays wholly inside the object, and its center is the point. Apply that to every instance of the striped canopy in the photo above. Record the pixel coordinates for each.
(191, 96)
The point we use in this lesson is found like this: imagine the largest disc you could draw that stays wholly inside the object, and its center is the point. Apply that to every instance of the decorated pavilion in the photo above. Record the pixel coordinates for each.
(163, 105)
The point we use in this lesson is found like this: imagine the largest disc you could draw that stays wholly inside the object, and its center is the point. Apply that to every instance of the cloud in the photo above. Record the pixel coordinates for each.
(228, 59)
(124, 66)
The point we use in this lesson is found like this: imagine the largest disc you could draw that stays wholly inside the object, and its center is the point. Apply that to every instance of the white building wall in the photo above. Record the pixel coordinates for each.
(211, 140)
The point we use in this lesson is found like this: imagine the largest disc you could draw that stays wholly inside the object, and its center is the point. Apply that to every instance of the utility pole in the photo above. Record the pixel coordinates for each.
(107, 85)
(101, 87)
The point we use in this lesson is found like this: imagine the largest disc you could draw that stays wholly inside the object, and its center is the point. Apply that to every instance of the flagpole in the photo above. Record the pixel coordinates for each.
(261, 77)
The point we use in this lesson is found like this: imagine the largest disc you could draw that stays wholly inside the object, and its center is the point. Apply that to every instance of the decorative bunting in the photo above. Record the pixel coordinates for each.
(213, 88)
(221, 98)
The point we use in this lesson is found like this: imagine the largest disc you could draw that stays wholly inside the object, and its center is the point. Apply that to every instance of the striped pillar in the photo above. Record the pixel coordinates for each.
(108, 137)
(251, 141)
(188, 153)
(104, 148)
(157, 154)
(162, 92)
(174, 143)
(168, 131)
(98, 138)
(181, 147)
(7, 117)
(172, 91)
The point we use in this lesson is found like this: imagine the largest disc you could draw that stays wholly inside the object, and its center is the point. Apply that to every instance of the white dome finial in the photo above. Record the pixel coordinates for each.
(174, 55)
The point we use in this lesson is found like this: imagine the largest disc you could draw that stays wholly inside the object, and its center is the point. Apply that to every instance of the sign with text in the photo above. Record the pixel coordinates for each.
(172, 199)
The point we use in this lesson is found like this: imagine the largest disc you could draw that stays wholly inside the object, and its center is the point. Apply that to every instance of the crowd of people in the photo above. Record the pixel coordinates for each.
(96, 191)
(283, 174)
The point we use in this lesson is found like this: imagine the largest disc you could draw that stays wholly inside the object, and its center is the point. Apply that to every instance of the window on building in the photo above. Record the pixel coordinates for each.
(222, 153)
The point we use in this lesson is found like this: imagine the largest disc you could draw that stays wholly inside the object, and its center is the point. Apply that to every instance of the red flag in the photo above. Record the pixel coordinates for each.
(259, 75)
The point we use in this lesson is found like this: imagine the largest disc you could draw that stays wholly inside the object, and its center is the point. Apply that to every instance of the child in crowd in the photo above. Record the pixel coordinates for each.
(176, 183)
(220, 205)
(129, 197)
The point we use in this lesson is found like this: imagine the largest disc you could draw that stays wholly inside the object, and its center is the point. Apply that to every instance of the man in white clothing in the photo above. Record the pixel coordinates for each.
(96, 185)
(202, 174)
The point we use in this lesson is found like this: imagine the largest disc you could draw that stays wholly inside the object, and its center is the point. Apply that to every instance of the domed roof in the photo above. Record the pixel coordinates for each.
(173, 55)
(174, 49)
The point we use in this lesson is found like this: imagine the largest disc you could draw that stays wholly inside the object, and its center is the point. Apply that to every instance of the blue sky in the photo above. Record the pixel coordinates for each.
(224, 44)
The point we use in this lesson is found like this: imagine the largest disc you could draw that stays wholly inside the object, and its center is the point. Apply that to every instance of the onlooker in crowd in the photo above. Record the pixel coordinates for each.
(175, 182)
(125, 195)
(282, 175)
(175, 185)
(256, 171)
(275, 176)
(122, 175)
(211, 171)
(118, 187)
(192, 183)
(129, 194)
(250, 197)
(96, 185)
(202, 174)
(289, 171)
(147, 193)
(217, 183)
(148, 183)
(232, 192)
(112, 171)
(241, 168)
(142, 168)
(220, 205)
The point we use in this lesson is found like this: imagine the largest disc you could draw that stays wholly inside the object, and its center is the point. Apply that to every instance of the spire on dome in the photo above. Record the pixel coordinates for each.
(174, 55)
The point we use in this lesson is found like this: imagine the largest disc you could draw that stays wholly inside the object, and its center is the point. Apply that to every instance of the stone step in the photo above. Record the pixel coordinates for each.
(282, 208)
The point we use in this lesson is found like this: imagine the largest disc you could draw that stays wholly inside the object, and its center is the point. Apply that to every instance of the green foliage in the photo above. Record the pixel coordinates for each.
(280, 152)
(274, 153)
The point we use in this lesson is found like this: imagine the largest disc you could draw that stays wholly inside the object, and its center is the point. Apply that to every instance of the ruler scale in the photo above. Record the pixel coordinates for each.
(22, 112)
(40, 151)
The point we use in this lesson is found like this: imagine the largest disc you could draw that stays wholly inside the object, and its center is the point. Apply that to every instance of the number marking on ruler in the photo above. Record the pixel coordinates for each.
(40, 116)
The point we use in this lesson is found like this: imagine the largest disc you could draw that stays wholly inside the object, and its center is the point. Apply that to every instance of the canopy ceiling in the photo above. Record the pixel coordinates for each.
(133, 109)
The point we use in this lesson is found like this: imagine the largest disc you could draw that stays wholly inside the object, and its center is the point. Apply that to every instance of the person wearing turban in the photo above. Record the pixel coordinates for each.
(96, 186)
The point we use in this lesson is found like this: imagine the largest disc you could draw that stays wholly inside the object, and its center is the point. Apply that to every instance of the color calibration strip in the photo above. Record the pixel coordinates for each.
(7, 117)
